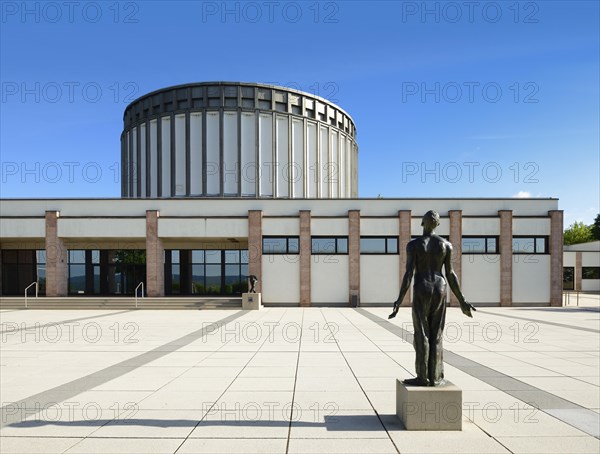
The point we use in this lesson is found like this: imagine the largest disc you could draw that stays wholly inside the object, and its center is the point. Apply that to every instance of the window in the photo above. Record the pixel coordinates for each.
(590, 272)
(568, 278)
(378, 245)
(206, 271)
(281, 245)
(479, 245)
(21, 267)
(329, 245)
(106, 272)
(530, 244)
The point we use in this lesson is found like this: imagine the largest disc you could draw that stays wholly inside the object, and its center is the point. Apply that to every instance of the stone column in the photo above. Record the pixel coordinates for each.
(556, 256)
(155, 256)
(577, 277)
(505, 257)
(404, 217)
(456, 240)
(354, 254)
(255, 246)
(305, 253)
(56, 258)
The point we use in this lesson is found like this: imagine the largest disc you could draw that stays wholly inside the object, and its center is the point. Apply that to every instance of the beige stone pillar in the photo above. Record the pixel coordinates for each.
(577, 277)
(556, 256)
(155, 256)
(404, 217)
(456, 240)
(255, 246)
(354, 254)
(56, 258)
(505, 257)
(305, 253)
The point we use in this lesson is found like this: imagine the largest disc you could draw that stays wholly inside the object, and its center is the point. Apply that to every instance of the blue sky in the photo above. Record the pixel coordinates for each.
(450, 99)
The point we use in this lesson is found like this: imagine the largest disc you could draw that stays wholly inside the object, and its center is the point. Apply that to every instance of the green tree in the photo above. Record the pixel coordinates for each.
(577, 233)
(595, 227)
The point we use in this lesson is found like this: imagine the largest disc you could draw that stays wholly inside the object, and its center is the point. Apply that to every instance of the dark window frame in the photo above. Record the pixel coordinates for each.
(387, 244)
(287, 244)
(486, 237)
(335, 239)
(596, 271)
(546, 239)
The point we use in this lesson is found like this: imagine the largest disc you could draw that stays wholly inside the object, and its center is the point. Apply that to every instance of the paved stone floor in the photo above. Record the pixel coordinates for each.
(292, 380)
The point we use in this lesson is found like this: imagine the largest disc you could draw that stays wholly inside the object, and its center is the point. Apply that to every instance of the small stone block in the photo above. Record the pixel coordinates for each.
(429, 407)
(251, 301)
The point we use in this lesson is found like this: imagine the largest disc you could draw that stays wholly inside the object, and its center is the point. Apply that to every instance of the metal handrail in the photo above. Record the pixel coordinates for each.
(141, 284)
(36, 291)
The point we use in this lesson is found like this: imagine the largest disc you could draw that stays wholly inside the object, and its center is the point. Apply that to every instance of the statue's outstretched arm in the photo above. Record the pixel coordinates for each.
(454, 285)
(406, 280)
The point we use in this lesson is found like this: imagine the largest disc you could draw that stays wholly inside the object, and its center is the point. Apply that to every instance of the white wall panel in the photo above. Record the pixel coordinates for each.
(101, 228)
(531, 278)
(335, 164)
(283, 160)
(481, 226)
(379, 278)
(312, 173)
(180, 158)
(329, 226)
(343, 168)
(523, 226)
(329, 279)
(153, 158)
(202, 227)
(297, 169)
(230, 153)
(266, 154)
(590, 258)
(196, 153)
(249, 166)
(143, 171)
(324, 164)
(569, 258)
(281, 226)
(213, 167)
(380, 226)
(281, 278)
(480, 278)
(134, 163)
(165, 126)
(22, 228)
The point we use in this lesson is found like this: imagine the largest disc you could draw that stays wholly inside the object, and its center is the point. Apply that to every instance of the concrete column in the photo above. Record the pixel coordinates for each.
(505, 257)
(578, 261)
(56, 258)
(354, 254)
(404, 217)
(556, 256)
(155, 256)
(255, 246)
(456, 240)
(305, 252)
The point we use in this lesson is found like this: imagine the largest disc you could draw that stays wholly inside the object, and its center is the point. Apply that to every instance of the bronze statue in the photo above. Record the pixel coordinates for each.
(425, 257)
(253, 280)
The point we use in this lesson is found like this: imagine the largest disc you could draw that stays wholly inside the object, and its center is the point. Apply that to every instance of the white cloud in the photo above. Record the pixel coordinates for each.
(522, 195)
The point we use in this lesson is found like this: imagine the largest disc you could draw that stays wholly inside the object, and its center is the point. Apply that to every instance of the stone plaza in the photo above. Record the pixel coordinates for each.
(293, 380)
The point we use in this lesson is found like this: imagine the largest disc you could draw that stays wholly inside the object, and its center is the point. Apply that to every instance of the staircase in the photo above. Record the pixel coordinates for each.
(121, 303)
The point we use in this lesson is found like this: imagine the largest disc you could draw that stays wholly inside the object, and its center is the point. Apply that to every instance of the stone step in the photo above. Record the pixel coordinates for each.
(12, 303)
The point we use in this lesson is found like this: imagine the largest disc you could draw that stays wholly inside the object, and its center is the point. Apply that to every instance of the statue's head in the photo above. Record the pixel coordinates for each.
(431, 219)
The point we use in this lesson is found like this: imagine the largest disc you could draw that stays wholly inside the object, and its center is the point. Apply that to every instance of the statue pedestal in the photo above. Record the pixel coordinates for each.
(251, 301)
(429, 407)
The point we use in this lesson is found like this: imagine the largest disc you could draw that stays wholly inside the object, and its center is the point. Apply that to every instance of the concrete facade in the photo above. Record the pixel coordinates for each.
(304, 278)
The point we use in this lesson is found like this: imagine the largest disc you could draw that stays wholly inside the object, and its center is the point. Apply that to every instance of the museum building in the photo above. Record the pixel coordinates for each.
(221, 180)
